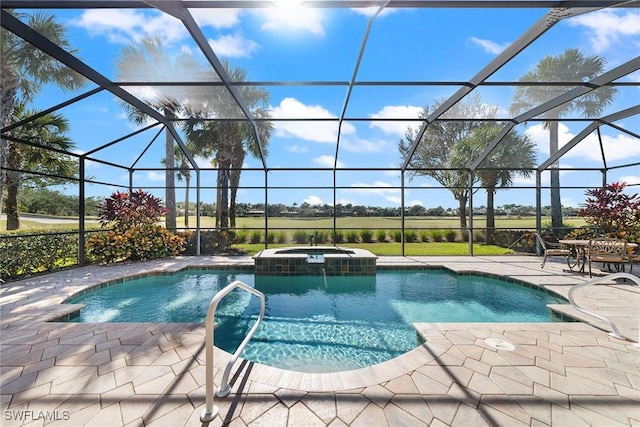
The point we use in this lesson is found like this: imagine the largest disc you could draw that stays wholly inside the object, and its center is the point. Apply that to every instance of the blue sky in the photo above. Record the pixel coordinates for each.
(291, 43)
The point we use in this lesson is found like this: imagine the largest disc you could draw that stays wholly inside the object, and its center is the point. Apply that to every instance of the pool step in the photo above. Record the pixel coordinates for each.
(311, 363)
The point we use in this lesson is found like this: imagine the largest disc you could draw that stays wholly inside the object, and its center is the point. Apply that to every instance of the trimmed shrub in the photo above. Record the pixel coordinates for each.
(437, 235)
(397, 235)
(281, 237)
(255, 236)
(410, 236)
(270, 237)
(381, 236)
(338, 237)
(450, 235)
(241, 236)
(211, 241)
(320, 236)
(301, 236)
(366, 236)
(352, 236)
(46, 252)
(479, 236)
(424, 236)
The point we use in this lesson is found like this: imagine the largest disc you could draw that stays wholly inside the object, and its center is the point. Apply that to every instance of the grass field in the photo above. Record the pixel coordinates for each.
(382, 223)
(288, 226)
(372, 223)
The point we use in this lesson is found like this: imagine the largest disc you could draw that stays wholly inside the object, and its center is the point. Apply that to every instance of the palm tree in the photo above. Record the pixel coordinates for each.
(496, 171)
(148, 60)
(25, 69)
(48, 130)
(432, 157)
(570, 66)
(226, 137)
(182, 172)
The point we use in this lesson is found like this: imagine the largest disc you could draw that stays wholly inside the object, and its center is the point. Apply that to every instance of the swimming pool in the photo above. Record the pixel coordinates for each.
(319, 324)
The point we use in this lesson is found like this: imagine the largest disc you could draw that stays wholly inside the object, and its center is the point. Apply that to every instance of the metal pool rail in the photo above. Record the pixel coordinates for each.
(615, 332)
(210, 411)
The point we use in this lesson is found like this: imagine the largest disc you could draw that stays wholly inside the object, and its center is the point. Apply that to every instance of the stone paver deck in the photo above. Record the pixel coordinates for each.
(81, 374)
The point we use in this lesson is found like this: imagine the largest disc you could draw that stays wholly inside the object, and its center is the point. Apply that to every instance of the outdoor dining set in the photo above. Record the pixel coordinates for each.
(581, 254)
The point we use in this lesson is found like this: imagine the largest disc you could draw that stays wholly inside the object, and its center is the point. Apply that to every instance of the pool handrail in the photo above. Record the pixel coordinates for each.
(615, 332)
(210, 411)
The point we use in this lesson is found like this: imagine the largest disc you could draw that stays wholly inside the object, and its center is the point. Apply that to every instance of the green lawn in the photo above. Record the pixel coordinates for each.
(373, 223)
(378, 223)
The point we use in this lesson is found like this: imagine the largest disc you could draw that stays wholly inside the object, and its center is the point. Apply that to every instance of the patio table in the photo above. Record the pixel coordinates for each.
(580, 247)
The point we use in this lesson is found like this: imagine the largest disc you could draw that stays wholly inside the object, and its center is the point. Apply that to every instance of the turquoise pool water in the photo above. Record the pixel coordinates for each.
(318, 325)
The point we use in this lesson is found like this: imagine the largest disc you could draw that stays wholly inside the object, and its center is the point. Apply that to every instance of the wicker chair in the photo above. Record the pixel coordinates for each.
(552, 249)
(609, 252)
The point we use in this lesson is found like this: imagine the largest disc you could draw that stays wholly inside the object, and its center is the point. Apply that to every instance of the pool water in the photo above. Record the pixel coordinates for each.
(315, 323)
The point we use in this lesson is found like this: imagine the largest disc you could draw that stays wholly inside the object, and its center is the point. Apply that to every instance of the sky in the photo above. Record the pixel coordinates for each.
(291, 43)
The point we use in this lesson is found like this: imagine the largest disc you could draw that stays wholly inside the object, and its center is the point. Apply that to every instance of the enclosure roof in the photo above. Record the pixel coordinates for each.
(335, 79)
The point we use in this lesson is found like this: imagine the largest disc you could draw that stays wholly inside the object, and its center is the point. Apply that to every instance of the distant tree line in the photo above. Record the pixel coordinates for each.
(54, 202)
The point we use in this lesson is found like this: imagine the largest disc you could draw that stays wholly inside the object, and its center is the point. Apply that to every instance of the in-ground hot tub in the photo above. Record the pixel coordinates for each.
(310, 260)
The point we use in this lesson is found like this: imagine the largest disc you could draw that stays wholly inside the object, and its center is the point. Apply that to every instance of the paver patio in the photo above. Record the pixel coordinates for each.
(81, 374)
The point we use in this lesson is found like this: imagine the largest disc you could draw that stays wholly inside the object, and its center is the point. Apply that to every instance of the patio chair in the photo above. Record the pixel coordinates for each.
(608, 251)
(634, 258)
(552, 249)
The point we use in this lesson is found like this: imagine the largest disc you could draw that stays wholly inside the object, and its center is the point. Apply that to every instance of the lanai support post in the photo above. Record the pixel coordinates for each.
(81, 213)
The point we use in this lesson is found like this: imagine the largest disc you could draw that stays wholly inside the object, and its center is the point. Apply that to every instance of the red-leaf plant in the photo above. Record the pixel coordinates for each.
(125, 210)
(617, 214)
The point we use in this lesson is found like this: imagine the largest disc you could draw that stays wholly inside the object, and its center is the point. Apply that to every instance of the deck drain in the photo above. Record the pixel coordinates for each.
(500, 344)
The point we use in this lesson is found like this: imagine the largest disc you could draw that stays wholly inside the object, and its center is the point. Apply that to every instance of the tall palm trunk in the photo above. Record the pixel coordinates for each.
(14, 163)
(187, 181)
(10, 82)
(462, 209)
(234, 176)
(556, 204)
(491, 216)
(170, 177)
(223, 199)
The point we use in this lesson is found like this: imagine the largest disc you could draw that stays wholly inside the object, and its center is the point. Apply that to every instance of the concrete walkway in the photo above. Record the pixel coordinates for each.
(81, 374)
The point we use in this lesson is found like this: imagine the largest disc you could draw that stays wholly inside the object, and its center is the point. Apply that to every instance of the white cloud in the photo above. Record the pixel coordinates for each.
(297, 149)
(358, 145)
(218, 18)
(293, 17)
(203, 162)
(490, 46)
(540, 136)
(379, 188)
(321, 131)
(617, 147)
(327, 162)
(313, 200)
(370, 11)
(568, 201)
(607, 26)
(396, 112)
(122, 26)
(233, 46)
(343, 201)
(394, 199)
(634, 77)
(155, 176)
(630, 179)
